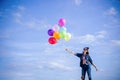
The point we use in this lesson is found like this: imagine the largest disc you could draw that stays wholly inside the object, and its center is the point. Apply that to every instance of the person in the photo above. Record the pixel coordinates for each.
(85, 62)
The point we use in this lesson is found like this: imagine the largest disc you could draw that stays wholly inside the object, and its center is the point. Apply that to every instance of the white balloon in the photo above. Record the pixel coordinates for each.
(56, 28)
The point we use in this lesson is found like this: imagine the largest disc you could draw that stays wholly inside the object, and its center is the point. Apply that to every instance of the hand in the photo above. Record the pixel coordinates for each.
(66, 49)
(96, 69)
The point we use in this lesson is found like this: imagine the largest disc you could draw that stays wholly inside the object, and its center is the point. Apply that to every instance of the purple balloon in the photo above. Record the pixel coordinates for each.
(50, 32)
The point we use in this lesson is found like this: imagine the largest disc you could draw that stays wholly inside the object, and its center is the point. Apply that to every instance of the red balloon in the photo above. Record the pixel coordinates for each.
(52, 40)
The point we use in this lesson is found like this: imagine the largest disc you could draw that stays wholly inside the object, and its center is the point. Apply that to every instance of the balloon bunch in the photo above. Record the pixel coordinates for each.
(58, 31)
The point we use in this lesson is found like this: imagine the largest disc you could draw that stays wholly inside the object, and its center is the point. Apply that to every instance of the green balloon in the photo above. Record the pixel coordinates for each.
(62, 34)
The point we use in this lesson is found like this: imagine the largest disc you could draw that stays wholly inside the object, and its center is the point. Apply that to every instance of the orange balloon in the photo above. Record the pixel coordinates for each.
(56, 35)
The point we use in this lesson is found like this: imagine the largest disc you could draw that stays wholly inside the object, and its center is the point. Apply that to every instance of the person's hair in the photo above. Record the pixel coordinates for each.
(87, 49)
(87, 52)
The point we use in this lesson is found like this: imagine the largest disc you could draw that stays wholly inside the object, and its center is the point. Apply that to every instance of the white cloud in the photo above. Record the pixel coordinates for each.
(78, 2)
(52, 49)
(17, 15)
(90, 38)
(113, 21)
(21, 8)
(31, 22)
(111, 11)
(87, 38)
(101, 34)
(37, 24)
(116, 42)
(59, 66)
(18, 20)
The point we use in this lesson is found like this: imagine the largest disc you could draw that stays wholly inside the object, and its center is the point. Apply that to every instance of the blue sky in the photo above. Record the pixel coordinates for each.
(25, 53)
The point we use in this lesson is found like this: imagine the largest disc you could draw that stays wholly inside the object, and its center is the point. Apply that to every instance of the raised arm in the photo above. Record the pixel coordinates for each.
(71, 52)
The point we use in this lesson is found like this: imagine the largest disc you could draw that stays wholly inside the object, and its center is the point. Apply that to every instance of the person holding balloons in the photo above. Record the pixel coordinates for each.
(85, 62)
(58, 32)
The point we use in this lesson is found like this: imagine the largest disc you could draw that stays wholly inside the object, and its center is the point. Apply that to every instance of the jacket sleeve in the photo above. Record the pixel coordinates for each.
(78, 54)
(90, 60)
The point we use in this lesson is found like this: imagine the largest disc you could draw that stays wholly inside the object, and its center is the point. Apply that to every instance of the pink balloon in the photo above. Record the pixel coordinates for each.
(62, 22)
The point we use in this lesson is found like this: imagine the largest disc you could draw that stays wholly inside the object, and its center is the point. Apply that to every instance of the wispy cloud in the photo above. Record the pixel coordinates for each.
(116, 42)
(56, 65)
(37, 24)
(111, 11)
(101, 34)
(52, 49)
(90, 38)
(77, 2)
(21, 8)
(30, 22)
(17, 15)
(111, 14)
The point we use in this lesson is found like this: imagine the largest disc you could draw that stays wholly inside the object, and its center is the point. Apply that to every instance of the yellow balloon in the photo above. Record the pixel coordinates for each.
(67, 37)
(56, 35)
